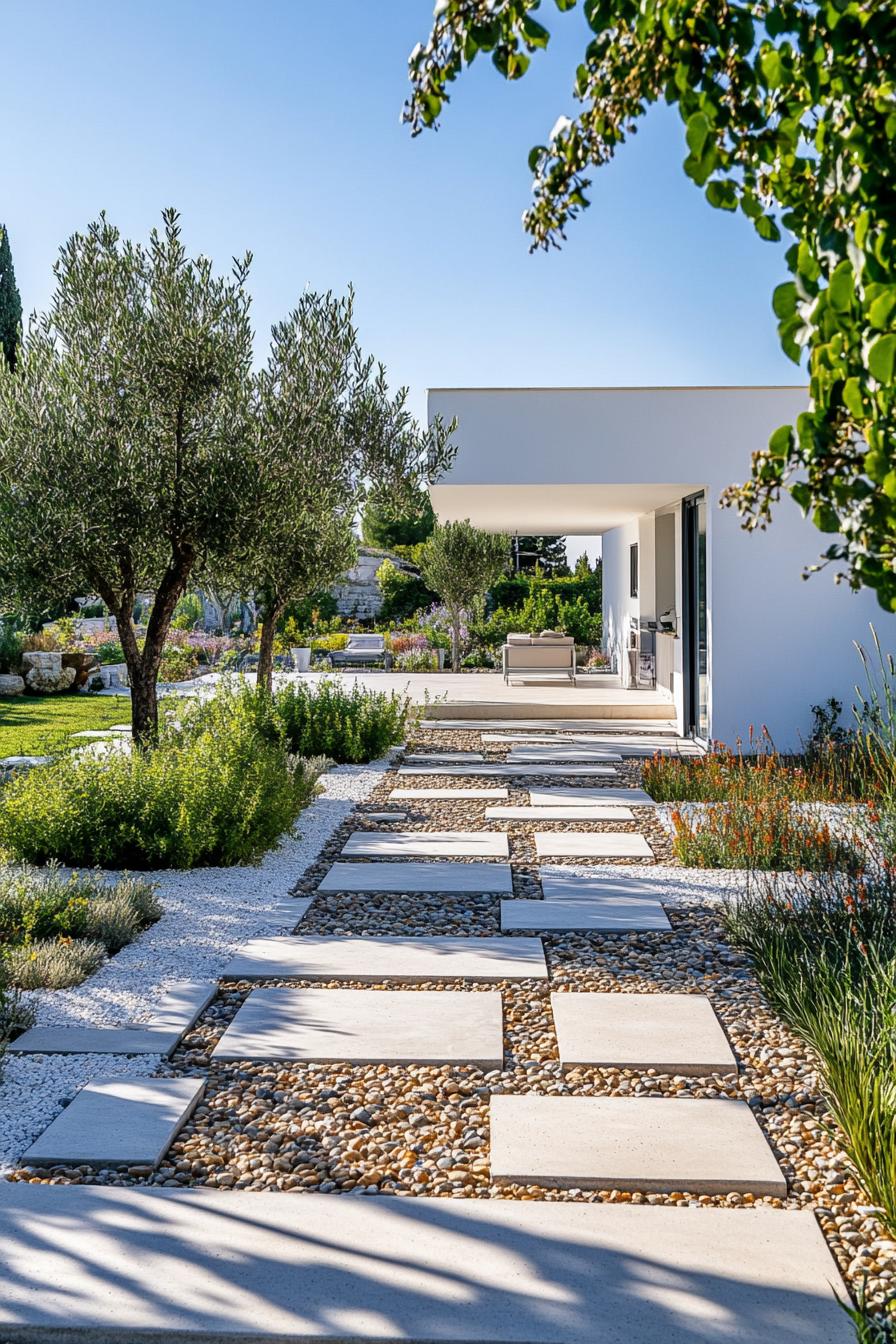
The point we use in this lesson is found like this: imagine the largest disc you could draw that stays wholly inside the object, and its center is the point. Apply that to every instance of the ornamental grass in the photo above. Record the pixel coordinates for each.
(765, 835)
(823, 946)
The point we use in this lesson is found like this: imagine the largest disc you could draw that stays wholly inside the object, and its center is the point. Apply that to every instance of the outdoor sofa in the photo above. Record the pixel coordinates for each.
(546, 655)
(362, 649)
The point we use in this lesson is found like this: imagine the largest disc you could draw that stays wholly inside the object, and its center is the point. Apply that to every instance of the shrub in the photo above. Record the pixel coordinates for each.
(216, 790)
(345, 725)
(328, 643)
(761, 774)
(53, 963)
(824, 949)
(179, 663)
(761, 835)
(417, 660)
(15, 1014)
(10, 648)
(403, 593)
(188, 613)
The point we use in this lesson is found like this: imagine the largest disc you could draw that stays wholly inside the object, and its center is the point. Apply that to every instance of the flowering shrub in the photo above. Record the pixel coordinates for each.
(758, 774)
(417, 660)
(760, 834)
(402, 641)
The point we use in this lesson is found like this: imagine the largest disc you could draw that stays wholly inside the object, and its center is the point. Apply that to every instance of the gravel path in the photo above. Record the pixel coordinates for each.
(410, 1130)
(209, 913)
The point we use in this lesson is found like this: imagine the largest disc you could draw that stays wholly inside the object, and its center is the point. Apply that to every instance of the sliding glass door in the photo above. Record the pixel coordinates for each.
(696, 641)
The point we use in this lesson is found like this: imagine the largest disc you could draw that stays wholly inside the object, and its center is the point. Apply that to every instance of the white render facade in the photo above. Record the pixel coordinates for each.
(748, 640)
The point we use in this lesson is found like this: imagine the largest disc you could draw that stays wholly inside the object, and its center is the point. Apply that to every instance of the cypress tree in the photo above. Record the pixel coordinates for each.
(10, 303)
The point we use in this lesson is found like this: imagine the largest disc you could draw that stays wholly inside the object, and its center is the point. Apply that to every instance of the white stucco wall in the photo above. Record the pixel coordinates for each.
(595, 460)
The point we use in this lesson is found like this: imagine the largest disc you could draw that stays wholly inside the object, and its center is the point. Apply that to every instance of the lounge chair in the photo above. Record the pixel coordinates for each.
(362, 649)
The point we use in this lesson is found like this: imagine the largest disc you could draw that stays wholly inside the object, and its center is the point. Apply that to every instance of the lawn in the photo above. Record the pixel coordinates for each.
(31, 725)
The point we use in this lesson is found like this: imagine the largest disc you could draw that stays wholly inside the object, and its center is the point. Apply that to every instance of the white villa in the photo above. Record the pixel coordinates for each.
(719, 620)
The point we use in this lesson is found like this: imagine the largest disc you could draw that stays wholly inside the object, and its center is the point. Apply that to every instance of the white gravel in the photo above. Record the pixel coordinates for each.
(209, 913)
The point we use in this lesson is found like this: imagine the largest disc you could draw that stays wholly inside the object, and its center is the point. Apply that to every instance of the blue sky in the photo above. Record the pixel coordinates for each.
(275, 126)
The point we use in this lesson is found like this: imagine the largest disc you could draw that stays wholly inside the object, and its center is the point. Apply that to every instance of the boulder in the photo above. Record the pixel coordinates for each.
(45, 661)
(83, 663)
(49, 681)
(11, 685)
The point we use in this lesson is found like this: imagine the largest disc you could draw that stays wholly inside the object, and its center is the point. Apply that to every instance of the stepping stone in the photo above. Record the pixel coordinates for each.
(507, 769)
(672, 1033)
(181, 1005)
(560, 794)
(118, 1122)
(472, 794)
(566, 884)
(586, 812)
(143, 1040)
(113, 1263)
(404, 960)
(427, 844)
(651, 1144)
(451, 757)
(612, 742)
(562, 752)
(385, 816)
(291, 908)
(367, 1026)
(605, 915)
(585, 844)
(175, 1013)
(469, 878)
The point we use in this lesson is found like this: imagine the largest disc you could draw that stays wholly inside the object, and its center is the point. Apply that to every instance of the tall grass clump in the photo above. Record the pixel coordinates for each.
(824, 949)
(216, 790)
(348, 726)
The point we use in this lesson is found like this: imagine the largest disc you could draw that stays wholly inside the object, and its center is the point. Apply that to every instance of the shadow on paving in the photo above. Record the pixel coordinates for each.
(124, 1265)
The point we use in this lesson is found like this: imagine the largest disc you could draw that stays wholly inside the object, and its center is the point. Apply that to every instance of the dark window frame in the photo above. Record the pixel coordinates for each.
(633, 569)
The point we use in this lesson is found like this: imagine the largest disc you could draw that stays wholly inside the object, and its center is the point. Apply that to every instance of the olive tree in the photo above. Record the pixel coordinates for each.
(789, 116)
(124, 436)
(460, 563)
(326, 432)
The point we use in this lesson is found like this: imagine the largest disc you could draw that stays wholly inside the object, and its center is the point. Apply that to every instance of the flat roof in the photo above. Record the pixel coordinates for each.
(636, 387)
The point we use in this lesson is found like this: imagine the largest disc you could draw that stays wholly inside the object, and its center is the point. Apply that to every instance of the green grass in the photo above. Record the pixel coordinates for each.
(34, 725)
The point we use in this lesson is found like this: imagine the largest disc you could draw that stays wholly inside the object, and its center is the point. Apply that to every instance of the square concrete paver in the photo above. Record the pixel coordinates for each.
(403, 960)
(427, 844)
(571, 812)
(610, 914)
(592, 845)
(467, 878)
(651, 1144)
(110, 1263)
(472, 795)
(559, 794)
(368, 1026)
(117, 1122)
(672, 1033)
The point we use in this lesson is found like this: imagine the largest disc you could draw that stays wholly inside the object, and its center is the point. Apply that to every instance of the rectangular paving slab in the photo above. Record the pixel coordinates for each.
(651, 1144)
(201, 1266)
(468, 878)
(398, 795)
(117, 1122)
(451, 757)
(508, 770)
(559, 794)
(612, 741)
(562, 751)
(607, 915)
(427, 844)
(565, 884)
(368, 1026)
(403, 960)
(591, 723)
(571, 812)
(137, 1040)
(592, 845)
(672, 1033)
(179, 1006)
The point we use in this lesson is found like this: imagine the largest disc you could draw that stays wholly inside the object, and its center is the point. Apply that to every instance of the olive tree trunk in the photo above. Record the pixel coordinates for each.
(265, 677)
